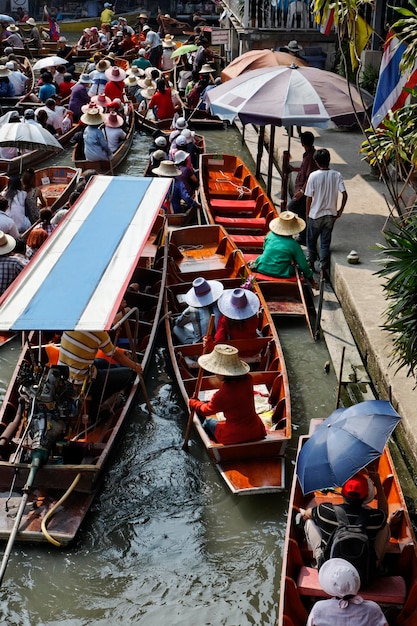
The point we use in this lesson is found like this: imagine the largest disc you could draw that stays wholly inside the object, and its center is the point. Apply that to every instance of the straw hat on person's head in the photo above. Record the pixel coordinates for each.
(93, 117)
(158, 156)
(113, 120)
(293, 46)
(146, 27)
(166, 168)
(339, 578)
(238, 304)
(85, 79)
(4, 71)
(31, 22)
(101, 100)
(203, 292)
(7, 243)
(206, 69)
(13, 28)
(115, 74)
(147, 93)
(224, 361)
(143, 16)
(168, 41)
(288, 223)
(103, 65)
(131, 80)
(180, 156)
(135, 71)
(86, 108)
(145, 83)
(149, 70)
(111, 56)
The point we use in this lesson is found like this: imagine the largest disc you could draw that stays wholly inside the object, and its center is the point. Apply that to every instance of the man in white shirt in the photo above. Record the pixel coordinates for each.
(322, 191)
(17, 78)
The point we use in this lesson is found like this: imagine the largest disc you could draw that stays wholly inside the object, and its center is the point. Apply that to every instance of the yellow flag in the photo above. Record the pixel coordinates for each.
(360, 31)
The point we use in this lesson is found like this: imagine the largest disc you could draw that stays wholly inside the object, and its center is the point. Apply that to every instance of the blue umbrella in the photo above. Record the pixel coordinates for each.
(6, 18)
(345, 443)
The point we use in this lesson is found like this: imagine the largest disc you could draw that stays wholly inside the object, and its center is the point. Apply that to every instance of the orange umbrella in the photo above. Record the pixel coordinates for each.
(256, 59)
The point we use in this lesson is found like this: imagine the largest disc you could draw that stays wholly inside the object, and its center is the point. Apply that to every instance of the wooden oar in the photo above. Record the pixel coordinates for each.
(303, 300)
(35, 465)
(197, 387)
(135, 359)
(319, 309)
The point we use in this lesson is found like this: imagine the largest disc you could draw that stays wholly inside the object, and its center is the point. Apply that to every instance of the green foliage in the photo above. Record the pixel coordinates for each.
(406, 30)
(369, 79)
(400, 274)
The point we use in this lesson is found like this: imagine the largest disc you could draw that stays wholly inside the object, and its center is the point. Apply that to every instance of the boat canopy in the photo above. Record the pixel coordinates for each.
(78, 279)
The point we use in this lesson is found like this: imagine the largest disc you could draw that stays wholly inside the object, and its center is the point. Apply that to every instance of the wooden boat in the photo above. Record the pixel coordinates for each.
(65, 484)
(56, 184)
(196, 121)
(395, 592)
(34, 157)
(247, 468)
(202, 120)
(232, 197)
(106, 167)
(8, 104)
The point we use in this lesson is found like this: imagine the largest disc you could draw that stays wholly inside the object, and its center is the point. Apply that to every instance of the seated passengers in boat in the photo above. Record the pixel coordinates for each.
(281, 251)
(235, 399)
(192, 325)
(238, 316)
(341, 581)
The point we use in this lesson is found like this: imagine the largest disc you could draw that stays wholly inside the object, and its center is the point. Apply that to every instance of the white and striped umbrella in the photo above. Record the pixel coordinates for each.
(52, 61)
(287, 96)
(26, 136)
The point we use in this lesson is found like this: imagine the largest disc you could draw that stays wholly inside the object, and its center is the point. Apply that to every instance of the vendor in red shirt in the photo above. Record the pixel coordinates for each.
(161, 102)
(115, 87)
(238, 319)
(235, 399)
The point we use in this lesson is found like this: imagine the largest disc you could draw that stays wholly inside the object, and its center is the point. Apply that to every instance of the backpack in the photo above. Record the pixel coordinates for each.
(350, 541)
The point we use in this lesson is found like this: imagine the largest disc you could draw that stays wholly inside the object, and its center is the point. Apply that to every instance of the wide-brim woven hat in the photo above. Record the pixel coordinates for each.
(167, 168)
(7, 243)
(224, 360)
(86, 108)
(93, 117)
(12, 28)
(238, 304)
(135, 71)
(149, 70)
(4, 71)
(147, 93)
(103, 65)
(339, 578)
(144, 83)
(113, 120)
(206, 69)
(101, 100)
(288, 223)
(115, 74)
(131, 80)
(203, 292)
(143, 15)
(31, 22)
(293, 46)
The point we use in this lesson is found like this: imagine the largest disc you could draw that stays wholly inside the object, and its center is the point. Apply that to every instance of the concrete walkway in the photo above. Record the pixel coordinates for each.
(358, 289)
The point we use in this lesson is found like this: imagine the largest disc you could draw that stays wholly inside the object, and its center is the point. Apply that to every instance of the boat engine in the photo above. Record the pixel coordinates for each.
(51, 401)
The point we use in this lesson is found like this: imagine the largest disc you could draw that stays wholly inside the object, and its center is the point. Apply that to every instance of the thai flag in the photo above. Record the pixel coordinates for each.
(327, 23)
(390, 93)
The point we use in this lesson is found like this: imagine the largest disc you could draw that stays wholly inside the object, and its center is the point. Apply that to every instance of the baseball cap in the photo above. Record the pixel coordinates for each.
(356, 488)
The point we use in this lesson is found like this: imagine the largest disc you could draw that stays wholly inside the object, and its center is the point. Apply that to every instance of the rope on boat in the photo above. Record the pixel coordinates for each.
(51, 512)
(241, 189)
(190, 247)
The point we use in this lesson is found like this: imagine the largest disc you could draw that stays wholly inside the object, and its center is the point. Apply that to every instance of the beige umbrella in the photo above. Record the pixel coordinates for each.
(256, 59)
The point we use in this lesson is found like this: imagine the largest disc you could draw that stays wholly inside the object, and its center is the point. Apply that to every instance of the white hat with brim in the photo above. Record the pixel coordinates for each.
(238, 304)
(113, 120)
(181, 123)
(93, 117)
(293, 46)
(102, 65)
(288, 223)
(149, 70)
(206, 69)
(224, 360)
(146, 27)
(4, 71)
(339, 578)
(147, 93)
(145, 83)
(167, 168)
(86, 108)
(7, 243)
(135, 71)
(12, 28)
(130, 80)
(115, 74)
(203, 292)
(31, 22)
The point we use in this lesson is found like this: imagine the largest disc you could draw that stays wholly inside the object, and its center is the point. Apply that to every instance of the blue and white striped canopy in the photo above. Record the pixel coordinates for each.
(78, 279)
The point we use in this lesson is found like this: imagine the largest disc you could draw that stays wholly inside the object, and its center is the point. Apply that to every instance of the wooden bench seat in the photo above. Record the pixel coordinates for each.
(258, 223)
(383, 590)
(233, 205)
(248, 241)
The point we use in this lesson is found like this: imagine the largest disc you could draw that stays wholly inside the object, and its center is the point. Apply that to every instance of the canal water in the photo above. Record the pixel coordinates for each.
(165, 542)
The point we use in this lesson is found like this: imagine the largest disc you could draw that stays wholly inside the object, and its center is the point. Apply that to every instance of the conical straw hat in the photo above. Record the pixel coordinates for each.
(224, 360)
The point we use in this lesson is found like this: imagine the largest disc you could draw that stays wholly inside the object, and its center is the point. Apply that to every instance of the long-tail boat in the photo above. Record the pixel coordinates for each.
(395, 591)
(54, 442)
(247, 468)
(232, 197)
